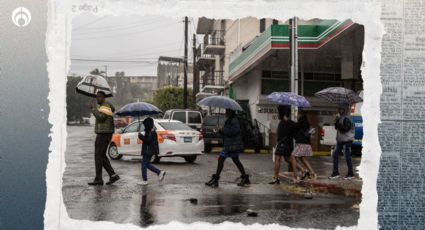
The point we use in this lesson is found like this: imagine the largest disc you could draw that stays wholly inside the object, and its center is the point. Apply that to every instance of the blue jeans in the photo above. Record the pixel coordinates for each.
(347, 153)
(146, 164)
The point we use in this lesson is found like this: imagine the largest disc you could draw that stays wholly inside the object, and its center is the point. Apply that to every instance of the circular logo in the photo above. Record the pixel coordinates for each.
(21, 16)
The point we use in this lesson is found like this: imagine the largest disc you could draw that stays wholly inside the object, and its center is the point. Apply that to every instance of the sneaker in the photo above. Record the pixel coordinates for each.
(348, 177)
(334, 176)
(162, 175)
(113, 179)
(143, 182)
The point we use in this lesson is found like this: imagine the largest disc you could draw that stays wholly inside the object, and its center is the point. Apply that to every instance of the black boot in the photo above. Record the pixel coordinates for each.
(96, 182)
(213, 182)
(244, 180)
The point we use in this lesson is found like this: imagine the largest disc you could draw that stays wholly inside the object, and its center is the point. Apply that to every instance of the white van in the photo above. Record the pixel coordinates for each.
(192, 118)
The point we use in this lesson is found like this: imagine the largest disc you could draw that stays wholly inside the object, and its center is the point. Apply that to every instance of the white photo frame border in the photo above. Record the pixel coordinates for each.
(58, 39)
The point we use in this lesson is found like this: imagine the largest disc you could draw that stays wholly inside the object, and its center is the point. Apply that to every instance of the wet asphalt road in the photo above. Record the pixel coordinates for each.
(160, 203)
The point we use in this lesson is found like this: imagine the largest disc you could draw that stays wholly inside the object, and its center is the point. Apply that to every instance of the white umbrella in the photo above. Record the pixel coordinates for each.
(92, 84)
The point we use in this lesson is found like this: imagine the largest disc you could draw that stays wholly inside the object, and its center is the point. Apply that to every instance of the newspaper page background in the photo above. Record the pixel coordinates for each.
(401, 132)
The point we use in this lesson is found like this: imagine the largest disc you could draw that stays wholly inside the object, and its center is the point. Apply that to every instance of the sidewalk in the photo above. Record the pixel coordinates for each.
(322, 164)
(323, 167)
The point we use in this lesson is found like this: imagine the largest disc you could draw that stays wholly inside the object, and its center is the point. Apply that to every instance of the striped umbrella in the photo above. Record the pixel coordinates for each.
(339, 95)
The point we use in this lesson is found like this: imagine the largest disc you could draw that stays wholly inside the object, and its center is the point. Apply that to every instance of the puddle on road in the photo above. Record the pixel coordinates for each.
(282, 209)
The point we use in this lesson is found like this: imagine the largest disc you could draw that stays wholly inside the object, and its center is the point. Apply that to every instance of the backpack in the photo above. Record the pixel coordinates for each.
(346, 125)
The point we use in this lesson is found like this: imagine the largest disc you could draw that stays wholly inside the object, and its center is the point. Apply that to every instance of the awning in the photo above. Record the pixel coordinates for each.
(312, 36)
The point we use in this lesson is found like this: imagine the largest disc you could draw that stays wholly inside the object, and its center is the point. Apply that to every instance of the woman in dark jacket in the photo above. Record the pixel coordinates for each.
(149, 149)
(285, 144)
(232, 147)
(302, 148)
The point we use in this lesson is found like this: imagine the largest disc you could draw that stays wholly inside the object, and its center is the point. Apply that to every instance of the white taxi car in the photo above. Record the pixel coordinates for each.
(175, 139)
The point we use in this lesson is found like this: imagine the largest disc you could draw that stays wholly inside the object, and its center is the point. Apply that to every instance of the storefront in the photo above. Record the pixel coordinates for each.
(330, 54)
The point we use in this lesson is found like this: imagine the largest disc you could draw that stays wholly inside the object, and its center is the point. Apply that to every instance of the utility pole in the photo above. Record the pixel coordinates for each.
(185, 63)
(293, 38)
(195, 71)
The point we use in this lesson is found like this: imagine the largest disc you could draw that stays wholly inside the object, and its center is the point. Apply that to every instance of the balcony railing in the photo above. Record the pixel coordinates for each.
(215, 78)
(214, 37)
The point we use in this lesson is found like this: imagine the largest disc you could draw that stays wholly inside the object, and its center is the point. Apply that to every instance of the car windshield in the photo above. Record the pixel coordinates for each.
(194, 117)
(134, 127)
(180, 116)
(174, 126)
(214, 120)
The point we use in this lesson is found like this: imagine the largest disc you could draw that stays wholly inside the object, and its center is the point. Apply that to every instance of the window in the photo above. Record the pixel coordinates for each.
(214, 120)
(314, 82)
(180, 116)
(194, 117)
(221, 120)
(174, 126)
(262, 25)
(167, 115)
(274, 81)
(210, 120)
(134, 127)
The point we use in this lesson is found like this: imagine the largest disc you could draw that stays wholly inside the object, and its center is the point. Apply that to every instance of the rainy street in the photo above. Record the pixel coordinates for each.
(182, 196)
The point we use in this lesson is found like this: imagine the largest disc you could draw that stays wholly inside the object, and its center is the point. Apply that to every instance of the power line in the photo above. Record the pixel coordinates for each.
(127, 34)
(138, 52)
(117, 61)
(116, 28)
(155, 52)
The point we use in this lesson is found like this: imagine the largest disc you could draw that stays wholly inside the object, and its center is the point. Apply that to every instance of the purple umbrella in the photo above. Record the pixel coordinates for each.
(288, 98)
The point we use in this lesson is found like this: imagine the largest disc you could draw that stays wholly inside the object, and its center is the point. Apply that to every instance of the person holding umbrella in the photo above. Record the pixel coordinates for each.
(286, 131)
(345, 130)
(104, 128)
(344, 138)
(285, 144)
(232, 147)
(232, 138)
(150, 146)
(302, 150)
(149, 149)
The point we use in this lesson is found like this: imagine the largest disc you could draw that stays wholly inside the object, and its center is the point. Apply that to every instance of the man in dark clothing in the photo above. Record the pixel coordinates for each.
(104, 128)
(344, 138)
(232, 147)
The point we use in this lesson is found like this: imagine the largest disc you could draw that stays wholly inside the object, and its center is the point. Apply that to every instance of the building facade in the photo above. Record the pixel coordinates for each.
(255, 61)
(170, 72)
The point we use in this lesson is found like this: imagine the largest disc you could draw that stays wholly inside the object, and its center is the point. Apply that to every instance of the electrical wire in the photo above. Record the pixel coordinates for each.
(123, 35)
(116, 28)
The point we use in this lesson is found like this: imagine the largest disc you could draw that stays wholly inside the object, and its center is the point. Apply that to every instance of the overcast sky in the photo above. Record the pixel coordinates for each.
(126, 43)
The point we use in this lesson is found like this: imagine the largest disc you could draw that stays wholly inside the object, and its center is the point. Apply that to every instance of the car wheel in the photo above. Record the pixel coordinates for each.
(190, 159)
(113, 152)
(207, 149)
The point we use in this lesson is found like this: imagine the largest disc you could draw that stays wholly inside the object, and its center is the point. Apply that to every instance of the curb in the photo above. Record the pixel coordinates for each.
(266, 151)
(321, 187)
(332, 189)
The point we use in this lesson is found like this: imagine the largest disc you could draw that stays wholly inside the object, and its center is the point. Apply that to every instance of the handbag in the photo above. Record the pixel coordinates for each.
(280, 146)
